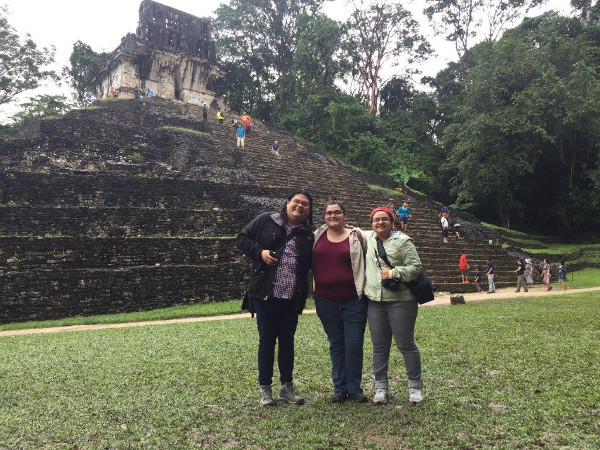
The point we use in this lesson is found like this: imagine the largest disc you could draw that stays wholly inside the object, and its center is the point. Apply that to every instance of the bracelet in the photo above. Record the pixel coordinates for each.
(390, 274)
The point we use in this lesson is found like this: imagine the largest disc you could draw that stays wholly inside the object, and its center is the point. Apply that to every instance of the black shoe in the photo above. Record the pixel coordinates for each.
(358, 398)
(339, 397)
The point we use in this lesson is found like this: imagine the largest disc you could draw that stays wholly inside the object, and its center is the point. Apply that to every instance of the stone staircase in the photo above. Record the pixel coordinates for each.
(85, 231)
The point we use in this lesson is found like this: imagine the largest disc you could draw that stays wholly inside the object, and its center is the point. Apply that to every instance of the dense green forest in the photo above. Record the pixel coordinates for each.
(509, 132)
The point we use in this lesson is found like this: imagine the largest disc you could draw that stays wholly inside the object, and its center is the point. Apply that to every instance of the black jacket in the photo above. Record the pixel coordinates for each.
(267, 232)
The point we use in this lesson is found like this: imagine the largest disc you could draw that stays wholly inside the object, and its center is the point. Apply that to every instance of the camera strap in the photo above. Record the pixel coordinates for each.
(380, 253)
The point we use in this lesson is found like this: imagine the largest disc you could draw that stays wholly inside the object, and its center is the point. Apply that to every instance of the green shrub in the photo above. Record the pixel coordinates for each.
(136, 158)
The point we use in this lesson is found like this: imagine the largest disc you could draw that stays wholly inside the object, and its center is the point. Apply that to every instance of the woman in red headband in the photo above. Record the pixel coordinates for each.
(392, 309)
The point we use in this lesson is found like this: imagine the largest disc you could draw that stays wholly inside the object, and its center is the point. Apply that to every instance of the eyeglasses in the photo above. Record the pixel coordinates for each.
(380, 219)
(300, 202)
(337, 212)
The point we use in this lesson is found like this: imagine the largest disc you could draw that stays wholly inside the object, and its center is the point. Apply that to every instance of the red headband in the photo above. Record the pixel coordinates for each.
(388, 211)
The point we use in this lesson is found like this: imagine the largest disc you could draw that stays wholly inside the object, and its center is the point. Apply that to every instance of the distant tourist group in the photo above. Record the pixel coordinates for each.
(359, 276)
(524, 271)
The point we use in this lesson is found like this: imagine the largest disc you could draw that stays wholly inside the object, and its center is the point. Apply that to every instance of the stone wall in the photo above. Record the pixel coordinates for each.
(39, 294)
(175, 31)
(85, 231)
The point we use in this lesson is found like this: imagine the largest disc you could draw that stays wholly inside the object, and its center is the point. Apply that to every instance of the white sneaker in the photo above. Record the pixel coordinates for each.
(381, 396)
(415, 395)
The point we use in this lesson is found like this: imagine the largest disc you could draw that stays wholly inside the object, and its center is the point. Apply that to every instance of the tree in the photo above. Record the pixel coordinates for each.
(320, 57)
(589, 10)
(85, 65)
(260, 36)
(523, 142)
(42, 107)
(463, 20)
(319, 60)
(21, 62)
(383, 33)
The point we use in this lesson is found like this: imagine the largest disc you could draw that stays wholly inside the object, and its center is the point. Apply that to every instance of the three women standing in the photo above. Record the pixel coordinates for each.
(280, 245)
(339, 274)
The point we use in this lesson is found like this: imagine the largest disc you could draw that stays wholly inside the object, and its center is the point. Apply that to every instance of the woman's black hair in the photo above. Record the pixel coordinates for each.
(309, 218)
(333, 201)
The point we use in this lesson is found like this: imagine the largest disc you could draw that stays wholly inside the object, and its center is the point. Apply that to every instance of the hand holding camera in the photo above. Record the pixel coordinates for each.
(269, 257)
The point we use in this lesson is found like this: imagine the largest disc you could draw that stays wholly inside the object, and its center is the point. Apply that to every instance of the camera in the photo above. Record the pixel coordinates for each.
(391, 285)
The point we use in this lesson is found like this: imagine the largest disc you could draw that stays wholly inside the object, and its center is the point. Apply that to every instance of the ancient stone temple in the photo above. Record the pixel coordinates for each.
(171, 53)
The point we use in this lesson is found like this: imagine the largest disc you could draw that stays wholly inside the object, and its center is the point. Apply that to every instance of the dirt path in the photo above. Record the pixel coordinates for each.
(443, 299)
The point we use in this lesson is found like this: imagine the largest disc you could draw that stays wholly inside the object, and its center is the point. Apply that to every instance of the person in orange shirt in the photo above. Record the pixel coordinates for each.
(463, 266)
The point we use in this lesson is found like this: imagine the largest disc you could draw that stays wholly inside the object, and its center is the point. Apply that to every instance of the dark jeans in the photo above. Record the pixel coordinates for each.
(387, 319)
(277, 320)
(344, 323)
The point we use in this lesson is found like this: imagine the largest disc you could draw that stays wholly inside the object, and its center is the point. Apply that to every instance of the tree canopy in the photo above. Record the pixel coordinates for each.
(84, 66)
(22, 63)
(522, 142)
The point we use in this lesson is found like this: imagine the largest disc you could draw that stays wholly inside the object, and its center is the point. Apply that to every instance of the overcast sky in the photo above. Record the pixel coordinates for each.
(102, 24)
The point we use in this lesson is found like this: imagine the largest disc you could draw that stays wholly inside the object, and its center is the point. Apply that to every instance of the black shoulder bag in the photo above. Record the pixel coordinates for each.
(420, 287)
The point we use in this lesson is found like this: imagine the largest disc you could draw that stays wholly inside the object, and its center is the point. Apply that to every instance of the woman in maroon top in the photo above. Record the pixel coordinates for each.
(339, 278)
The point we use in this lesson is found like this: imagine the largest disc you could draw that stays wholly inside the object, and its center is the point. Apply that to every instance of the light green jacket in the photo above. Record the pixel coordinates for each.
(357, 259)
(403, 256)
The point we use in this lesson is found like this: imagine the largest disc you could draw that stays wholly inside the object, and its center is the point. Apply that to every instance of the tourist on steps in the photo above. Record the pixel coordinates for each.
(241, 136)
(444, 225)
(220, 117)
(339, 276)
(280, 247)
(463, 266)
(392, 308)
(275, 148)
(405, 213)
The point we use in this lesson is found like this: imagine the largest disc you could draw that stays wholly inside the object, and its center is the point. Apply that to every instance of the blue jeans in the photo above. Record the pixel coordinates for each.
(397, 319)
(277, 320)
(344, 323)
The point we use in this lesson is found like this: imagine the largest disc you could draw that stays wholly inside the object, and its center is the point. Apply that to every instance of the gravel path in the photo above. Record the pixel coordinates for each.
(441, 299)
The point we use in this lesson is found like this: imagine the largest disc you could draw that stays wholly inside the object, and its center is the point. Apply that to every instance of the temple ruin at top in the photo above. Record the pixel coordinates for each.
(171, 53)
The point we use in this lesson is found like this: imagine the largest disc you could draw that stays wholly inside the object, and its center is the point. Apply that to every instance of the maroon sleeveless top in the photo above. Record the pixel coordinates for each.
(333, 270)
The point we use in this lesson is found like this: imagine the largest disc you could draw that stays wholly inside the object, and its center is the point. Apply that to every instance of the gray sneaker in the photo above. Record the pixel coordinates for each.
(288, 392)
(266, 395)
(381, 396)
(415, 395)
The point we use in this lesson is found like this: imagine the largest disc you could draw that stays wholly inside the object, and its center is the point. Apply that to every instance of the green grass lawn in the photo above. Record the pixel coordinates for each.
(564, 249)
(585, 278)
(509, 374)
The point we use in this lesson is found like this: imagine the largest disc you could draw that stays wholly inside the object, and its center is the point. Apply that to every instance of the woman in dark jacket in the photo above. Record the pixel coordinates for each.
(280, 247)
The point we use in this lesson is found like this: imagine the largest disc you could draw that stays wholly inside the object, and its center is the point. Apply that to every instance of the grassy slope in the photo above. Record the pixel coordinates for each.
(503, 373)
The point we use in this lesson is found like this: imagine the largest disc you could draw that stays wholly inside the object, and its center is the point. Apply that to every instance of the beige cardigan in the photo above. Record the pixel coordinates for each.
(357, 258)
